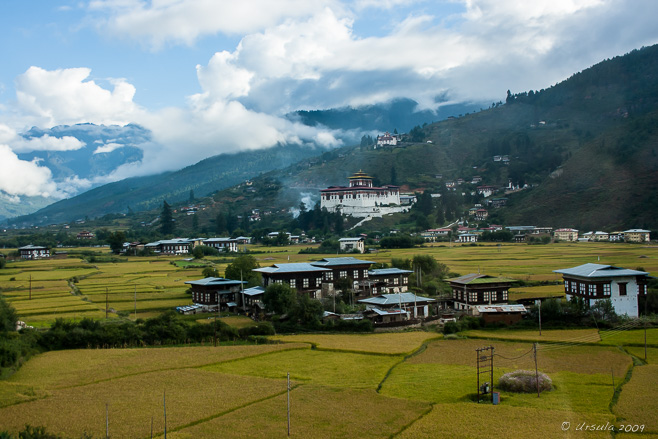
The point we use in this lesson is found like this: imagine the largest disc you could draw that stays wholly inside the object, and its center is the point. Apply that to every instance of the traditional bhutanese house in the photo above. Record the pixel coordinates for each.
(387, 280)
(486, 190)
(222, 244)
(481, 214)
(467, 237)
(507, 314)
(253, 299)
(479, 289)
(177, 246)
(637, 235)
(213, 291)
(302, 276)
(416, 306)
(34, 252)
(566, 234)
(351, 244)
(346, 267)
(596, 236)
(379, 316)
(242, 240)
(85, 235)
(594, 282)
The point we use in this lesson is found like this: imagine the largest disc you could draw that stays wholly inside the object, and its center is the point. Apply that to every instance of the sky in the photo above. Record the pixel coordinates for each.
(213, 76)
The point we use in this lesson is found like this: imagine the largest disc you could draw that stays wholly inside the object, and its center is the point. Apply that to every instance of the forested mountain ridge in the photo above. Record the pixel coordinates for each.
(585, 149)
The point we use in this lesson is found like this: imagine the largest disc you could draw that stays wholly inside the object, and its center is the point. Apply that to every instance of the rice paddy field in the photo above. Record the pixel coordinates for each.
(408, 384)
(393, 385)
(43, 290)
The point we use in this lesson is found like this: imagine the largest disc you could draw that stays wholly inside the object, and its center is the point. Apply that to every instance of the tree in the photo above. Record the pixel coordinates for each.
(191, 195)
(166, 219)
(220, 222)
(116, 240)
(394, 176)
(195, 223)
(210, 272)
(307, 311)
(3, 262)
(279, 298)
(8, 316)
(241, 268)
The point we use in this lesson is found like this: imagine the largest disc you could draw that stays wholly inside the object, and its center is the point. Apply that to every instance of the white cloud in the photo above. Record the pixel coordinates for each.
(19, 177)
(103, 149)
(184, 21)
(64, 96)
(46, 143)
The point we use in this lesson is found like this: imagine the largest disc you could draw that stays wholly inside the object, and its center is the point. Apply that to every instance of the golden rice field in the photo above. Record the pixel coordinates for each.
(156, 285)
(338, 389)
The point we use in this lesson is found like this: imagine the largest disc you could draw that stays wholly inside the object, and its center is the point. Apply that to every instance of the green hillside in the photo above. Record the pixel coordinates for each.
(145, 193)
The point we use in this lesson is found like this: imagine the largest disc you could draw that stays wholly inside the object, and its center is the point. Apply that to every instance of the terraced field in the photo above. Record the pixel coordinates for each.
(401, 385)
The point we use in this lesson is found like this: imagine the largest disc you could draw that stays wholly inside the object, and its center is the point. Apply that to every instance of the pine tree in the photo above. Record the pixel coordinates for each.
(166, 219)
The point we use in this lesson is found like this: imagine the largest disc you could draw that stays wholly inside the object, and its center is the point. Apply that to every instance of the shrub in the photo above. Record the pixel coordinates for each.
(525, 381)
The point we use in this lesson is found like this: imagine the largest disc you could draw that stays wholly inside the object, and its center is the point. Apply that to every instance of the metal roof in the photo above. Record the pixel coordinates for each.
(637, 231)
(348, 260)
(215, 281)
(294, 267)
(475, 279)
(350, 239)
(387, 271)
(393, 299)
(599, 271)
(500, 308)
(390, 312)
(33, 247)
(254, 291)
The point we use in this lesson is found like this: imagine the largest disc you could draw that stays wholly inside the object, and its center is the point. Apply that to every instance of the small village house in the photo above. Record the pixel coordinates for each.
(34, 252)
(212, 292)
(507, 314)
(345, 267)
(387, 281)
(637, 235)
(85, 234)
(415, 306)
(222, 244)
(302, 276)
(352, 244)
(479, 289)
(594, 282)
(565, 234)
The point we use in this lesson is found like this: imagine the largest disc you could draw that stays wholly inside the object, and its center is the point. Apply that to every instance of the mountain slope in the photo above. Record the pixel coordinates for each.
(144, 193)
(586, 148)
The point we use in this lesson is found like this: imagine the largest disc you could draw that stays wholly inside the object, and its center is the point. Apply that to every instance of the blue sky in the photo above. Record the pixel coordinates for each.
(201, 73)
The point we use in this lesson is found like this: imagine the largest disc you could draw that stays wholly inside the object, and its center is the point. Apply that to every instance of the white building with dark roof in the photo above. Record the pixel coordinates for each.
(34, 252)
(594, 282)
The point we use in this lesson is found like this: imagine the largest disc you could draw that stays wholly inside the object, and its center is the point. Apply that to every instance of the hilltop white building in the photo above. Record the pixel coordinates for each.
(361, 199)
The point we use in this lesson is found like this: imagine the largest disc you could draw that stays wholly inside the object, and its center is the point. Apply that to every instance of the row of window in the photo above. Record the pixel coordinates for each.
(484, 296)
(595, 289)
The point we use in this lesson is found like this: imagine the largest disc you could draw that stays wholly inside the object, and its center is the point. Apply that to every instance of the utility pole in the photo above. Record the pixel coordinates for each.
(534, 348)
(288, 401)
(107, 422)
(539, 316)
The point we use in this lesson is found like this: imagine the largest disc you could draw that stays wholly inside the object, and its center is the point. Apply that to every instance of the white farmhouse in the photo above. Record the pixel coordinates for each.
(594, 282)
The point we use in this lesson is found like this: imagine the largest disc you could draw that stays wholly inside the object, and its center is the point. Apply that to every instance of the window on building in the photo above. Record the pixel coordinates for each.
(641, 289)
(622, 288)
(329, 275)
(504, 296)
(494, 296)
(583, 291)
(365, 274)
(293, 283)
(473, 296)
(485, 296)
(343, 274)
(606, 289)
(305, 283)
(591, 288)
(356, 274)
(396, 281)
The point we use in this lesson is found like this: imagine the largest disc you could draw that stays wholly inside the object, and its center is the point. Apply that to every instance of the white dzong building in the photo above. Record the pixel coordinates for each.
(361, 198)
